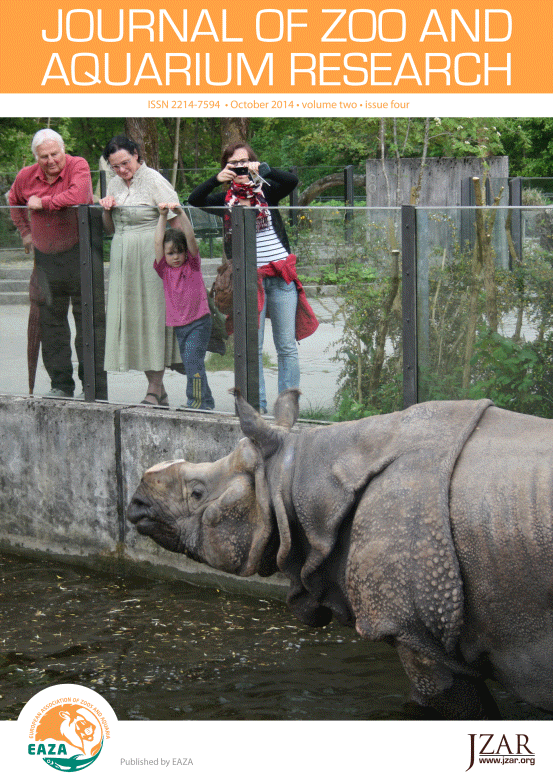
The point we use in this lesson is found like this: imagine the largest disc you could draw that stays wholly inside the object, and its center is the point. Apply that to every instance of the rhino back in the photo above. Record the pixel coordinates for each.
(501, 515)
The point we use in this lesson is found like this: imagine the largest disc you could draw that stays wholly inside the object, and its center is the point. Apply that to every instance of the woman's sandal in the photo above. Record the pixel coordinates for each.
(161, 401)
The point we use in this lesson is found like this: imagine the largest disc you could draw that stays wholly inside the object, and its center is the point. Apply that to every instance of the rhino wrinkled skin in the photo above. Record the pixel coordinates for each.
(428, 528)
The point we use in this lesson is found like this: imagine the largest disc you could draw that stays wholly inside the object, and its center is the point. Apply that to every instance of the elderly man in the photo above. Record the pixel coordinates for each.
(50, 189)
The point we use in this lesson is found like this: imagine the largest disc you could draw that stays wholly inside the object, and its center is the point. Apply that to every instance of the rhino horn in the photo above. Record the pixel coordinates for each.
(268, 436)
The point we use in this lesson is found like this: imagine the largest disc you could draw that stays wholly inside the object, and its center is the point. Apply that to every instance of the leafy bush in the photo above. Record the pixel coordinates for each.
(356, 257)
(515, 376)
(485, 315)
(346, 275)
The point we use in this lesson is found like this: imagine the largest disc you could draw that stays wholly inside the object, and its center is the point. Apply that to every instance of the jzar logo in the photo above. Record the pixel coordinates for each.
(498, 749)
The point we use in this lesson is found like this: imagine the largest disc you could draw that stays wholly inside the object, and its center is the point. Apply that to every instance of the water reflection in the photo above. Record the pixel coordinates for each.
(161, 651)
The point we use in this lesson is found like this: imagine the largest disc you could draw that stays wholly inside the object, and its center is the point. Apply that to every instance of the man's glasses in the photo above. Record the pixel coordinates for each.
(238, 162)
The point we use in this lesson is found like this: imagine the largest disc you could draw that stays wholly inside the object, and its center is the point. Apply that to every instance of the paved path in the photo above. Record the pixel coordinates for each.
(319, 374)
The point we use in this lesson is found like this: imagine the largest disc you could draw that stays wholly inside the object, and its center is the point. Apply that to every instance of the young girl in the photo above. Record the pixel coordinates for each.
(187, 311)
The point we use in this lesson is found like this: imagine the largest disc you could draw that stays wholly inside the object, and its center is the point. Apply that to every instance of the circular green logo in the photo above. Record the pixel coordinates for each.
(66, 727)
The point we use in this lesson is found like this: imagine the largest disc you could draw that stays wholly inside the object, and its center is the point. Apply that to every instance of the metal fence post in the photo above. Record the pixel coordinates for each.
(349, 201)
(245, 316)
(294, 199)
(409, 304)
(467, 216)
(515, 199)
(92, 300)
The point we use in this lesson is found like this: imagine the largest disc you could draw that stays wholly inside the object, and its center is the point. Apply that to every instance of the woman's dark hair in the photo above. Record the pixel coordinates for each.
(176, 238)
(229, 151)
(121, 142)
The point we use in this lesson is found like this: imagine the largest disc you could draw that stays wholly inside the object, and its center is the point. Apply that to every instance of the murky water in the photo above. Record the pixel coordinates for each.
(164, 651)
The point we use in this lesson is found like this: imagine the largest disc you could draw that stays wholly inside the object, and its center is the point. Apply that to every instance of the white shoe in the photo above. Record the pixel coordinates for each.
(57, 393)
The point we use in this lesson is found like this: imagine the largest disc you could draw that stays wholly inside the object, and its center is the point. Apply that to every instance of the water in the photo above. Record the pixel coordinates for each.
(172, 651)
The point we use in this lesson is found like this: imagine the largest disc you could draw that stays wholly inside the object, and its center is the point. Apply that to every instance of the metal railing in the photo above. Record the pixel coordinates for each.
(438, 268)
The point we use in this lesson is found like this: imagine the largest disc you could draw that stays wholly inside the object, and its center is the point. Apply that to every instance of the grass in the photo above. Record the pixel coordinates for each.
(217, 363)
(205, 252)
(317, 413)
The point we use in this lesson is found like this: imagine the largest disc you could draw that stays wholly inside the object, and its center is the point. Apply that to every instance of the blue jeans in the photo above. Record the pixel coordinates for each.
(281, 301)
(193, 340)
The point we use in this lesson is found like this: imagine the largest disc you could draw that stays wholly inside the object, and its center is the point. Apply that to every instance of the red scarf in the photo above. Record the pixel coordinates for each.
(254, 194)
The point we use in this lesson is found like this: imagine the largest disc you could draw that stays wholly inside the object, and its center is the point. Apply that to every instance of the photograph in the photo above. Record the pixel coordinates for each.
(276, 392)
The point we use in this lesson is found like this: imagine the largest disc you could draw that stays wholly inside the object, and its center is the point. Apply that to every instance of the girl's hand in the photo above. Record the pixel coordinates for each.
(164, 208)
(108, 202)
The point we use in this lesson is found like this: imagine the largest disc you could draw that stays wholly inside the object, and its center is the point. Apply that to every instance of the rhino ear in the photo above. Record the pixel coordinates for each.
(238, 526)
(268, 437)
(287, 408)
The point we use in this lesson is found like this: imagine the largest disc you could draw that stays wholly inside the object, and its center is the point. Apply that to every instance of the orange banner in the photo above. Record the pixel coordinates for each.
(217, 47)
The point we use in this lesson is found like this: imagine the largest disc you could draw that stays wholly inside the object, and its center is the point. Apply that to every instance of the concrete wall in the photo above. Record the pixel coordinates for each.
(68, 470)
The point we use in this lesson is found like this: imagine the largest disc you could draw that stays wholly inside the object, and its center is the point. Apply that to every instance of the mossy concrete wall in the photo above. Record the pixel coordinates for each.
(68, 470)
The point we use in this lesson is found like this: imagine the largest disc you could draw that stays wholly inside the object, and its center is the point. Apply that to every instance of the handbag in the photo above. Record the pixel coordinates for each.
(217, 340)
(221, 290)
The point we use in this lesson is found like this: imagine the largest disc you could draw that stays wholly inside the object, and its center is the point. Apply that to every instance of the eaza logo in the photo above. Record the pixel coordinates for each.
(69, 736)
(66, 727)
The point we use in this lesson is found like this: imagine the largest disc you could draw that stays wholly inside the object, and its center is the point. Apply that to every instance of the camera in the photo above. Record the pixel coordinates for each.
(241, 170)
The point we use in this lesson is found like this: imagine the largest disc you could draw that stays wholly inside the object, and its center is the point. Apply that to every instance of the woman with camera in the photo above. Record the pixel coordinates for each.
(280, 294)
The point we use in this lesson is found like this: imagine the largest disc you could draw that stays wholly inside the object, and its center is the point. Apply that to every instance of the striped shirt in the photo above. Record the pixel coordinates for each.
(268, 245)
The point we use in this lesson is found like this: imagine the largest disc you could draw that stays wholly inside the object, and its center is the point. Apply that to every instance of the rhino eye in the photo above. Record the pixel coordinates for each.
(197, 494)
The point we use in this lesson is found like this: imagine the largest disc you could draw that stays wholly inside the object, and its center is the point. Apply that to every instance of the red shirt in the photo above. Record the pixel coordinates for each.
(54, 228)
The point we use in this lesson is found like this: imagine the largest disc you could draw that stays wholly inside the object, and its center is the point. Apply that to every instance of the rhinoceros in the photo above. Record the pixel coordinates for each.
(430, 529)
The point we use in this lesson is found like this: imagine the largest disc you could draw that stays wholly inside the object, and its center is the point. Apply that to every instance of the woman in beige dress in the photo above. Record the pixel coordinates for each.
(136, 334)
